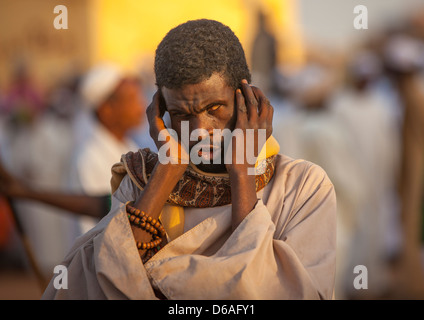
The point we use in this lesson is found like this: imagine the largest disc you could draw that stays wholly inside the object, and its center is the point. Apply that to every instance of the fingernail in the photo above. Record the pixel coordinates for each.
(244, 81)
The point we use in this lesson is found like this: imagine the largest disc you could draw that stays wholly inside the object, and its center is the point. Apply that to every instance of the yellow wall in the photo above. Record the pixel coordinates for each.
(128, 31)
(27, 34)
(124, 31)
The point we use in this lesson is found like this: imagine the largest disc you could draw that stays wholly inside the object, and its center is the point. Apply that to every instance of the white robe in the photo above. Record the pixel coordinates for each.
(285, 248)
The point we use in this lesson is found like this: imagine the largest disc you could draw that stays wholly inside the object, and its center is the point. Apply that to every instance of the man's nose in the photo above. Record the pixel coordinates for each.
(200, 126)
(201, 122)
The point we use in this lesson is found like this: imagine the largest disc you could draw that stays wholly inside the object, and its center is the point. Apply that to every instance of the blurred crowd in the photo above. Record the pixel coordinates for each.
(361, 118)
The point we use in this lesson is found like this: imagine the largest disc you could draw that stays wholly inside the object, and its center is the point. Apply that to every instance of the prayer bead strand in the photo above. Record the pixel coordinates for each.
(140, 219)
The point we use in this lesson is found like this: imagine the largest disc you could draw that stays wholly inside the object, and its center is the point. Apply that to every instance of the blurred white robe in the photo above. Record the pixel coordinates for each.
(39, 155)
(319, 137)
(375, 147)
(90, 171)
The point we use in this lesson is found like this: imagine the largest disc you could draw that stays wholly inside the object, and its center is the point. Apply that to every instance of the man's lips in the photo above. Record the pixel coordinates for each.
(207, 151)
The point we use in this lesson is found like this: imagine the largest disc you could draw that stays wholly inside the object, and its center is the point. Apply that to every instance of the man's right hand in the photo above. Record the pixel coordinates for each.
(164, 176)
(162, 136)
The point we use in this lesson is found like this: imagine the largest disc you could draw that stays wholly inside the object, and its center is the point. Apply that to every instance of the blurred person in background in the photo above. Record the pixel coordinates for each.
(14, 187)
(403, 56)
(36, 147)
(22, 105)
(64, 129)
(264, 56)
(374, 145)
(23, 100)
(312, 132)
(116, 106)
(416, 24)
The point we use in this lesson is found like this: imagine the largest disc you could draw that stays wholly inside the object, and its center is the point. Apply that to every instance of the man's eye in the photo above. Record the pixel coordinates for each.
(214, 108)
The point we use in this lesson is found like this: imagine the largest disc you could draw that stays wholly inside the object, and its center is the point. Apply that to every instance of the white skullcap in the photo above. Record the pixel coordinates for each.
(311, 77)
(99, 83)
(404, 53)
(313, 82)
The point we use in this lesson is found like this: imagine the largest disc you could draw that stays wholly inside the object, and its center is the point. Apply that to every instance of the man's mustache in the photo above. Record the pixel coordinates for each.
(208, 143)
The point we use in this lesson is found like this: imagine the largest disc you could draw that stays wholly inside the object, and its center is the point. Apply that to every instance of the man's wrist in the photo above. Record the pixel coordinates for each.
(240, 176)
(243, 192)
(161, 183)
(173, 170)
(240, 170)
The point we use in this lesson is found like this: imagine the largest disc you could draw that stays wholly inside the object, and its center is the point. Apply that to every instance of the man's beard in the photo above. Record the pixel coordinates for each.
(211, 157)
(214, 166)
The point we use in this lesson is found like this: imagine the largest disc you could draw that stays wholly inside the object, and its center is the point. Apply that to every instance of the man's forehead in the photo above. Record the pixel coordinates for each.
(194, 96)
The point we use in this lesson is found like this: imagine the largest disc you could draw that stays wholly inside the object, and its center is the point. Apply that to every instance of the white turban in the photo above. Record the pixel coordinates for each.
(404, 53)
(99, 83)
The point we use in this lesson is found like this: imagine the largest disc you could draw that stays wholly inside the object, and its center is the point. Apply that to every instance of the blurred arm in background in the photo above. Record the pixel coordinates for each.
(94, 206)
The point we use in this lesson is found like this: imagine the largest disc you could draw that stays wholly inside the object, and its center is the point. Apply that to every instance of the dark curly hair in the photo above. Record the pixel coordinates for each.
(191, 52)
